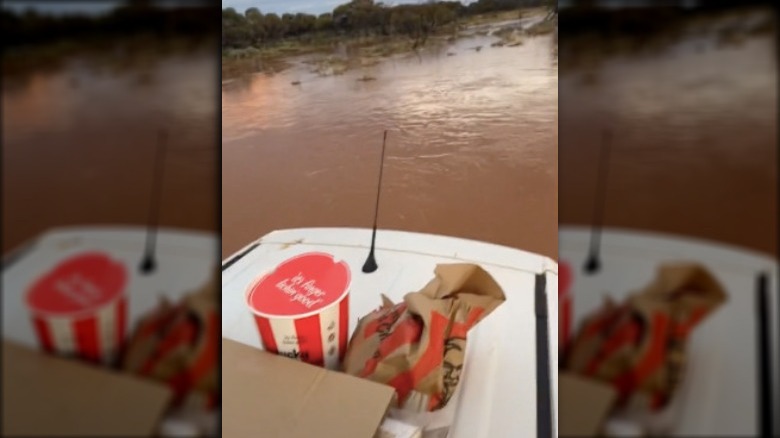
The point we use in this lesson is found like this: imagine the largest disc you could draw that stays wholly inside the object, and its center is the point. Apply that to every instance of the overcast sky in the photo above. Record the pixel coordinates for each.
(278, 6)
(315, 7)
(319, 6)
(282, 6)
(63, 7)
(60, 7)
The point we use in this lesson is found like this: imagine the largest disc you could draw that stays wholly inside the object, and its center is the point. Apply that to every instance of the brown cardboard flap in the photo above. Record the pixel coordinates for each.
(48, 396)
(273, 396)
(583, 405)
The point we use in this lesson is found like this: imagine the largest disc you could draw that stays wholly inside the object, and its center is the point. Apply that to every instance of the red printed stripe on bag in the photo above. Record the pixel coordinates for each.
(405, 333)
(181, 333)
(183, 381)
(430, 360)
(650, 362)
(564, 304)
(625, 335)
(208, 357)
(683, 328)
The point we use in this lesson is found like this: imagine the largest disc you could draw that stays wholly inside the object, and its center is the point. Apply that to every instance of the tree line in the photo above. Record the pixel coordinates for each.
(135, 16)
(358, 17)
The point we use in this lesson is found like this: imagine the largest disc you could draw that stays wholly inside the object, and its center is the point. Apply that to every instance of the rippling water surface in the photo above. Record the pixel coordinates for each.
(471, 150)
(694, 124)
(79, 142)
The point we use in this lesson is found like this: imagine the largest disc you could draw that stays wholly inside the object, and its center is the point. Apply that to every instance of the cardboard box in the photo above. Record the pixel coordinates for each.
(49, 396)
(583, 405)
(268, 395)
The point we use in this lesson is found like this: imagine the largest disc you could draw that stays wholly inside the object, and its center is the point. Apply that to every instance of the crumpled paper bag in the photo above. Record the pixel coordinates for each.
(178, 345)
(418, 346)
(638, 346)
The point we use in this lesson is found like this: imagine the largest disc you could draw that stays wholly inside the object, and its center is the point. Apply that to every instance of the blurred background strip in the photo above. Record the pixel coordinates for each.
(661, 242)
(690, 95)
(86, 88)
(110, 222)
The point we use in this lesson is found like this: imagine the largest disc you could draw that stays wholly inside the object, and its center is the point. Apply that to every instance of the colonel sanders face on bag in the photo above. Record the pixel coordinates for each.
(418, 346)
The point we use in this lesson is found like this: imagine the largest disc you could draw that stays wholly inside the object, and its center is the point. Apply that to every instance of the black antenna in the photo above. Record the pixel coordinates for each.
(593, 263)
(149, 263)
(764, 388)
(370, 265)
(544, 415)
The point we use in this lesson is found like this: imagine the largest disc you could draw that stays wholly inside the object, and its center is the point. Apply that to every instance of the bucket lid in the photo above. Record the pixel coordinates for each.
(300, 286)
(83, 282)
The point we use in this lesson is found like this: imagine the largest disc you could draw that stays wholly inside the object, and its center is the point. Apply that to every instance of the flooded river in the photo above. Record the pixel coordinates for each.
(694, 123)
(79, 141)
(471, 149)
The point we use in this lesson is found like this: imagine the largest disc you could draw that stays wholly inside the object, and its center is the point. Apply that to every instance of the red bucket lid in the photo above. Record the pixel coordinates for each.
(83, 282)
(300, 286)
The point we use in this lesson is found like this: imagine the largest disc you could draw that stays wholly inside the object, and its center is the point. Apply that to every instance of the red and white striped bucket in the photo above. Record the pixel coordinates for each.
(80, 308)
(302, 309)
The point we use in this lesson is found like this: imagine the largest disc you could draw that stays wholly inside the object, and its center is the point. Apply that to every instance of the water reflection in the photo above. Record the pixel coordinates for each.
(81, 136)
(694, 123)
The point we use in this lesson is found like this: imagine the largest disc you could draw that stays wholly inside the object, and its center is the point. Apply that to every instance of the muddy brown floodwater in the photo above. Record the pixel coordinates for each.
(471, 149)
(694, 123)
(79, 142)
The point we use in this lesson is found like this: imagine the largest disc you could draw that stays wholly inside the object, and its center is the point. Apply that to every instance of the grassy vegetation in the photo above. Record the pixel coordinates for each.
(592, 36)
(367, 50)
(101, 54)
(361, 52)
(134, 33)
(544, 27)
(493, 17)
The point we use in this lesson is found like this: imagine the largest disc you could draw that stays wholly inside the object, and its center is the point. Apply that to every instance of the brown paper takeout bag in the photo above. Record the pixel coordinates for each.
(418, 346)
(178, 345)
(638, 346)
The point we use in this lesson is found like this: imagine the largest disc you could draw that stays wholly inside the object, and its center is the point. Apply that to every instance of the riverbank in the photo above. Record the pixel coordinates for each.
(594, 37)
(109, 55)
(331, 54)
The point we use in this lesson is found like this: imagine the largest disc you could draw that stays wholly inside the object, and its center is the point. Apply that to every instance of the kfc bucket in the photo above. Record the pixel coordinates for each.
(79, 308)
(301, 309)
